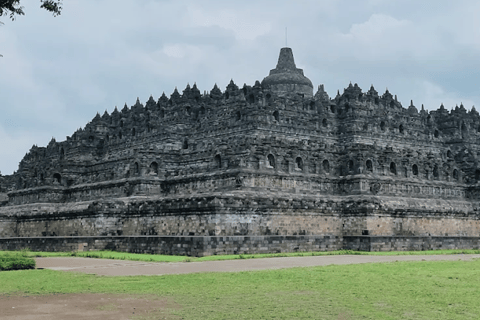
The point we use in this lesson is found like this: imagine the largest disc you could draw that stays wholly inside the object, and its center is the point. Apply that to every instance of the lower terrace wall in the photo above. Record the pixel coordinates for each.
(245, 217)
(205, 224)
(173, 245)
(408, 243)
(422, 224)
(203, 216)
(205, 246)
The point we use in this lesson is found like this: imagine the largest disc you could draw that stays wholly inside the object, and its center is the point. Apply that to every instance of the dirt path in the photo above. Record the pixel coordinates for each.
(132, 268)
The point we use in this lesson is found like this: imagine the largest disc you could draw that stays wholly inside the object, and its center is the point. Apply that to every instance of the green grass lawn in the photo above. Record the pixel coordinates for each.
(167, 258)
(397, 290)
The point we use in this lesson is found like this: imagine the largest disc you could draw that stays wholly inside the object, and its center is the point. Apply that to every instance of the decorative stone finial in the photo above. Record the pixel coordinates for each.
(195, 89)
(215, 93)
(150, 103)
(474, 111)
(163, 99)
(372, 92)
(175, 94)
(232, 86)
(187, 90)
(321, 94)
(387, 95)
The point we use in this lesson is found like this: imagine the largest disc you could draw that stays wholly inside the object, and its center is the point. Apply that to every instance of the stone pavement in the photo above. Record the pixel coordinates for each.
(133, 268)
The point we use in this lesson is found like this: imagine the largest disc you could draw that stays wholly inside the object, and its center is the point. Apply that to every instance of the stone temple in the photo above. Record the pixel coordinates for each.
(271, 167)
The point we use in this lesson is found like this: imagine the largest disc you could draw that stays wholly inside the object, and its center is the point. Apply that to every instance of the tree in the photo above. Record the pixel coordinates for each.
(13, 7)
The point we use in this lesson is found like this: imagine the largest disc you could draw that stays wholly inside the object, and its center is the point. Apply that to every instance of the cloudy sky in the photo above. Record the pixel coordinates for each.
(58, 72)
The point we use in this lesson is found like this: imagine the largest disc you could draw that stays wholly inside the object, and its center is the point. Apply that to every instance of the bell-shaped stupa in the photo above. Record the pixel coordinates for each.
(287, 78)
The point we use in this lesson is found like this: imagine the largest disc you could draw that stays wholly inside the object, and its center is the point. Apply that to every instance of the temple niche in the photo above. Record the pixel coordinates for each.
(268, 167)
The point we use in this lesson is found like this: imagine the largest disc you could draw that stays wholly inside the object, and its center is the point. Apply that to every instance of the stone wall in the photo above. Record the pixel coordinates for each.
(216, 245)
(247, 215)
(423, 226)
(177, 245)
(182, 217)
(409, 243)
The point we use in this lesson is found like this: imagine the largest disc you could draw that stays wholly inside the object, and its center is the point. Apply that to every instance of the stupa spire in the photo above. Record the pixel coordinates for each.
(286, 60)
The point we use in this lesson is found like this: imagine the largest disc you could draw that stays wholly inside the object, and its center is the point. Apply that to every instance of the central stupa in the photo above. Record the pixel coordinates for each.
(287, 78)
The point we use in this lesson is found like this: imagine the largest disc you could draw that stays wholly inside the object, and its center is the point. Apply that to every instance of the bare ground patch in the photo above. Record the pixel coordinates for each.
(86, 306)
(134, 268)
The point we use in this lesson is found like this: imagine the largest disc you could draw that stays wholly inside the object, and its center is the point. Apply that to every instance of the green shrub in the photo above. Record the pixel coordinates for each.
(16, 261)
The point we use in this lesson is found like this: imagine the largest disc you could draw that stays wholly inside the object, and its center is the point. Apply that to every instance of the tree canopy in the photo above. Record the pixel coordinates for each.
(13, 8)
